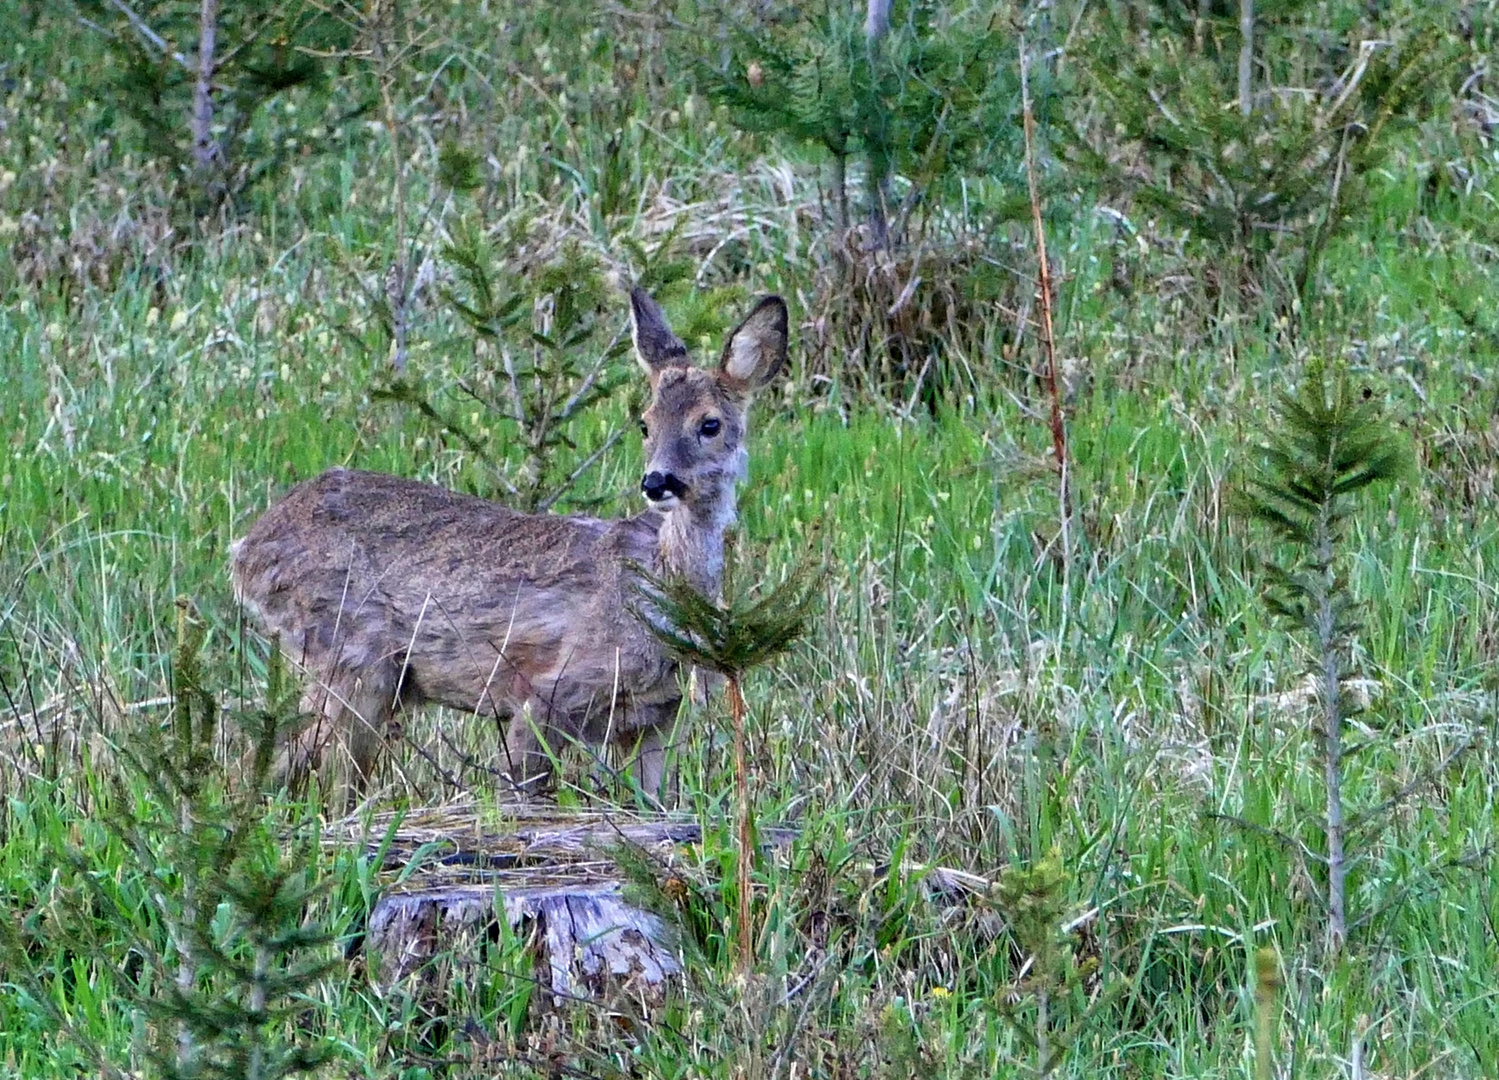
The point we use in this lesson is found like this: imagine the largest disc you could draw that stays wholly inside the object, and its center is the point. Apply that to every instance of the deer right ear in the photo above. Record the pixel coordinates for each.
(656, 347)
(756, 349)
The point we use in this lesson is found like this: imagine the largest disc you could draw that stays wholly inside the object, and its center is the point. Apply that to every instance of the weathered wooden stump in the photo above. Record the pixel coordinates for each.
(451, 871)
(549, 871)
(590, 938)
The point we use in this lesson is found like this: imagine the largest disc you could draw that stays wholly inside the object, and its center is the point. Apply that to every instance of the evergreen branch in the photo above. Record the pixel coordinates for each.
(729, 638)
(155, 40)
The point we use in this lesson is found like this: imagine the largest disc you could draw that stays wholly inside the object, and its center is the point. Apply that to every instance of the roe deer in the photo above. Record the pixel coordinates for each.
(394, 593)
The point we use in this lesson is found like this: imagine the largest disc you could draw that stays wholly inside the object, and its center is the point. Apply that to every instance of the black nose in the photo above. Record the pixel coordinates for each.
(658, 486)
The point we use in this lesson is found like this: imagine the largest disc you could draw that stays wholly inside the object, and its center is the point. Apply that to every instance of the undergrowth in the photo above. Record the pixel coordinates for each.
(1147, 728)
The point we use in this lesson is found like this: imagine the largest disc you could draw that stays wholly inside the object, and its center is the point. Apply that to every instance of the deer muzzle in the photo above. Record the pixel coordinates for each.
(659, 486)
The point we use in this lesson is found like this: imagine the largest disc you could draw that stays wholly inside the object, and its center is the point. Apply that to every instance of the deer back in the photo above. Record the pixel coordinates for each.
(482, 607)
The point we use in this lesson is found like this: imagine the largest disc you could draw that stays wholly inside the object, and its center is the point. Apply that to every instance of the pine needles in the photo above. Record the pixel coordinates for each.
(1331, 444)
(729, 639)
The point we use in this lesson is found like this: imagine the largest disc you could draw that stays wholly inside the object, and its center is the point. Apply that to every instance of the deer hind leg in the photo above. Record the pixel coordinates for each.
(352, 708)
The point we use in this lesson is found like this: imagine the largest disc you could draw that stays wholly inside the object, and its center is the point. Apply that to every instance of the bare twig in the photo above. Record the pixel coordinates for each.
(1350, 81)
(1430, 776)
(572, 477)
(517, 398)
(876, 26)
(151, 36)
(579, 396)
(1282, 838)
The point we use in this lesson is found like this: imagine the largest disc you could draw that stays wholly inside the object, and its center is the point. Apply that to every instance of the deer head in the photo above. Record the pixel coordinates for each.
(696, 424)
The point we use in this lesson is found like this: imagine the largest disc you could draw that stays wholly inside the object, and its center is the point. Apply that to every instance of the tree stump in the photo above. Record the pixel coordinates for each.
(590, 939)
(452, 870)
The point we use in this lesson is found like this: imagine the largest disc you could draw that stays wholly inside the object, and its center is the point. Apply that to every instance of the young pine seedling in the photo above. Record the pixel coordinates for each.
(1330, 443)
(729, 638)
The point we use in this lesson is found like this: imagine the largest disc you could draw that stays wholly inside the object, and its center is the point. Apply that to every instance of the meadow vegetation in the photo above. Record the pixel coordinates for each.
(407, 259)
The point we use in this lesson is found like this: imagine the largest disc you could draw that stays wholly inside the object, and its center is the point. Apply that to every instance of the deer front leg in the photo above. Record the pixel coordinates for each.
(528, 753)
(657, 734)
(301, 753)
(368, 709)
(353, 708)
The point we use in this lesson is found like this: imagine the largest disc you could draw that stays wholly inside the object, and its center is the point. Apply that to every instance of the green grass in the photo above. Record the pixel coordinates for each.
(955, 703)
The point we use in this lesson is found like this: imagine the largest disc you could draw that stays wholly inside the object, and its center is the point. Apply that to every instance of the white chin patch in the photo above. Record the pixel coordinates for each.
(669, 502)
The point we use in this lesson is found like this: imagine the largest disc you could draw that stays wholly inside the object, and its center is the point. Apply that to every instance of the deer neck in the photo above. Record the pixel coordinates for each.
(690, 542)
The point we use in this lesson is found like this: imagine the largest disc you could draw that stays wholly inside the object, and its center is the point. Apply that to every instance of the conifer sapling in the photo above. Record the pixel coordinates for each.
(1331, 443)
(728, 639)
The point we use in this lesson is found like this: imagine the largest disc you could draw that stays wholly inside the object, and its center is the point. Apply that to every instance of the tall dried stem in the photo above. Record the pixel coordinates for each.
(745, 823)
(1044, 295)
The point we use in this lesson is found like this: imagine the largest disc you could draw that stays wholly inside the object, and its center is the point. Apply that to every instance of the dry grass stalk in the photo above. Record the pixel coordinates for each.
(1044, 289)
(745, 827)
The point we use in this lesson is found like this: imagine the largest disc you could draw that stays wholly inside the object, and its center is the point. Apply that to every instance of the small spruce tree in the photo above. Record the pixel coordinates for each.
(1034, 900)
(1269, 183)
(211, 903)
(729, 638)
(197, 110)
(930, 95)
(542, 362)
(1331, 443)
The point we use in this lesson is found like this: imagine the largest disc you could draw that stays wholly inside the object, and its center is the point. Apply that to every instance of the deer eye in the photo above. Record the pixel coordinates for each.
(645, 430)
(710, 428)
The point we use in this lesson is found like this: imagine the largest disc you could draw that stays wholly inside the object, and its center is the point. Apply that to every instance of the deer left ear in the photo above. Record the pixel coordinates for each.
(656, 347)
(756, 349)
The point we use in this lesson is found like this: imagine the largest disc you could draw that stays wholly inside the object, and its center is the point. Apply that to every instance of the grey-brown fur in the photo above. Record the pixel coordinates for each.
(396, 593)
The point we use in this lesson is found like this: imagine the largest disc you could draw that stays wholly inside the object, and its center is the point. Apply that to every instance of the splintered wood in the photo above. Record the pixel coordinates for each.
(452, 870)
(589, 939)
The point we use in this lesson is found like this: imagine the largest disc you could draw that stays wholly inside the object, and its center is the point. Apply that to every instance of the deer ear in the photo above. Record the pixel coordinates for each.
(756, 349)
(656, 347)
